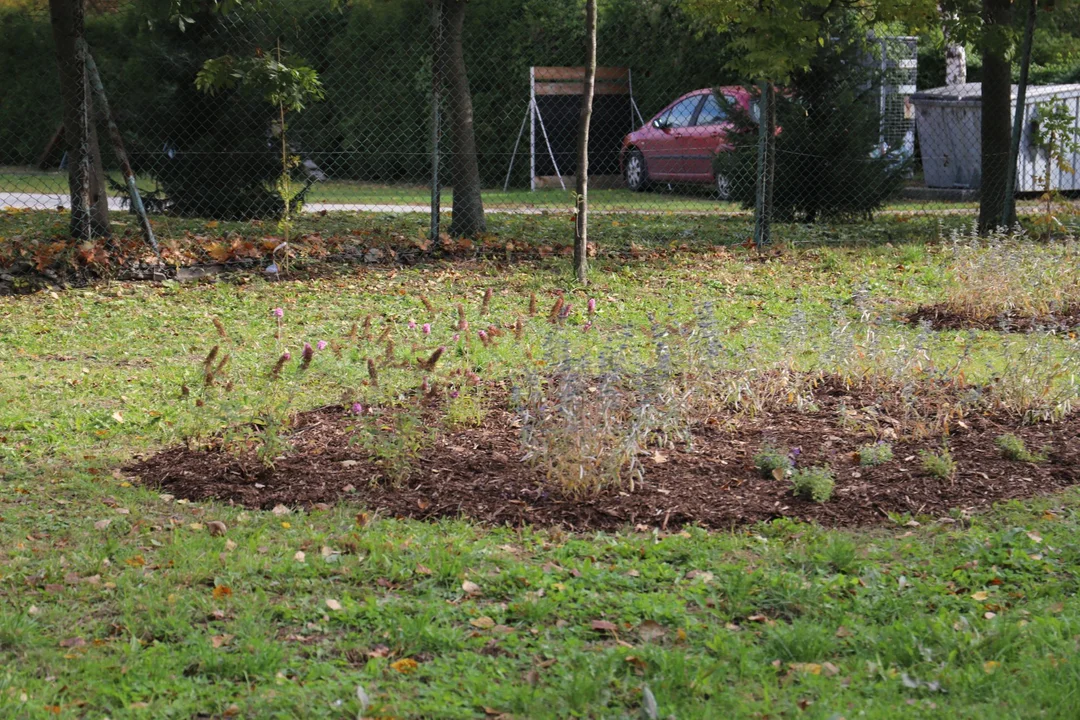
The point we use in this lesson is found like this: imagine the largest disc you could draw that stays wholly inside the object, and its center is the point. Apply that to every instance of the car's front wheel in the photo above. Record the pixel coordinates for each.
(635, 171)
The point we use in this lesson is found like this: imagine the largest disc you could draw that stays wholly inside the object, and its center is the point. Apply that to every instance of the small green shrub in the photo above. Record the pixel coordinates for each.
(876, 454)
(1013, 448)
(773, 463)
(466, 409)
(940, 465)
(813, 483)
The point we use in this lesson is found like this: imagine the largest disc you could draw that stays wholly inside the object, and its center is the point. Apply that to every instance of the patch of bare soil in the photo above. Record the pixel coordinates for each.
(476, 473)
(941, 318)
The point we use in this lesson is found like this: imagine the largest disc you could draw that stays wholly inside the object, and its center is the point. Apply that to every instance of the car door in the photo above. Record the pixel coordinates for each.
(705, 138)
(668, 152)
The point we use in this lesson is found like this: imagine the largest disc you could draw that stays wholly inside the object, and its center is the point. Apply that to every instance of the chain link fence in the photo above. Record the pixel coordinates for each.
(457, 114)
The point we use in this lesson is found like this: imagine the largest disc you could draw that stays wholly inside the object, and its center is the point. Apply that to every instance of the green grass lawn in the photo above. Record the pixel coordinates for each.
(116, 601)
(662, 198)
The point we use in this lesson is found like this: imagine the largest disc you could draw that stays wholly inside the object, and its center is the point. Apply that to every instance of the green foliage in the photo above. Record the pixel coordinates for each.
(771, 460)
(1054, 131)
(877, 454)
(396, 443)
(774, 40)
(829, 163)
(1013, 448)
(279, 83)
(813, 483)
(940, 464)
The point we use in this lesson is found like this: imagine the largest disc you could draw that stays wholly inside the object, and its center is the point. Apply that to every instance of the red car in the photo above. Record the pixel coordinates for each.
(678, 145)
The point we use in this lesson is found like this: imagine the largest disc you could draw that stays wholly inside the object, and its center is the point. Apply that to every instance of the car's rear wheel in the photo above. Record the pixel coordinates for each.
(635, 171)
(722, 187)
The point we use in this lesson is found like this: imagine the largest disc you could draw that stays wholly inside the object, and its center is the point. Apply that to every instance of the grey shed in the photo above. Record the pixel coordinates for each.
(948, 122)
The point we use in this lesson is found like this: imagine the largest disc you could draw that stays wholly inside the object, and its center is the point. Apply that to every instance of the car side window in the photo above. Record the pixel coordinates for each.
(711, 113)
(682, 114)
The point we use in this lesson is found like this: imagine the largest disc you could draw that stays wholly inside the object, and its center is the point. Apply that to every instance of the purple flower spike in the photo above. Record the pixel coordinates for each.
(357, 409)
(427, 328)
(453, 393)
(457, 336)
(286, 356)
(592, 305)
(586, 327)
(412, 324)
(278, 312)
(321, 345)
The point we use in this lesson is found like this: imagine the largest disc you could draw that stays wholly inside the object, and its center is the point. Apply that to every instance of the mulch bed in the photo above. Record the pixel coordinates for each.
(476, 473)
(941, 318)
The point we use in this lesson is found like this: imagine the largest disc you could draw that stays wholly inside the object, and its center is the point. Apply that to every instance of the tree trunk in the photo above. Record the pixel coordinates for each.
(86, 178)
(464, 173)
(996, 113)
(581, 223)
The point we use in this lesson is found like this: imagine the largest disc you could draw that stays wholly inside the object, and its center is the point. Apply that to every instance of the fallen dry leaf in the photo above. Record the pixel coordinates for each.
(650, 631)
(300, 556)
(404, 665)
(216, 528)
(604, 626)
(470, 587)
(222, 591)
(102, 524)
(980, 596)
(483, 623)
(280, 510)
(218, 641)
(72, 642)
(333, 604)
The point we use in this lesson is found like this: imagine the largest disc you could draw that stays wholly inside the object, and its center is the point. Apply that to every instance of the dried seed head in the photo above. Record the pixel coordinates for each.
(429, 364)
(460, 312)
(390, 349)
(485, 304)
(519, 328)
(280, 364)
(427, 304)
(220, 329)
(209, 359)
(385, 333)
(367, 327)
(556, 309)
(532, 303)
(373, 374)
(352, 332)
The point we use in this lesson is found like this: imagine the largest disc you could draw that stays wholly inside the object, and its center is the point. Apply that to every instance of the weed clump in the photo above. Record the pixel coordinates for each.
(1013, 448)
(813, 483)
(940, 464)
(876, 454)
(773, 463)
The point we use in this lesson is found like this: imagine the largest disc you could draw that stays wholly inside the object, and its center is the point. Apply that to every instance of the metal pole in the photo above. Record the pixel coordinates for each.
(436, 76)
(102, 103)
(1008, 212)
(761, 230)
(551, 153)
(532, 128)
(517, 142)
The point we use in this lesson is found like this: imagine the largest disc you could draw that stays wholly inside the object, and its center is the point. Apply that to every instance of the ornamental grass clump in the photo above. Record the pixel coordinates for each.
(813, 483)
(773, 463)
(1013, 448)
(878, 453)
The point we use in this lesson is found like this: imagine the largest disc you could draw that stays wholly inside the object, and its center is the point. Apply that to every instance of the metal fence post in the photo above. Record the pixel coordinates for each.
(436, 87)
